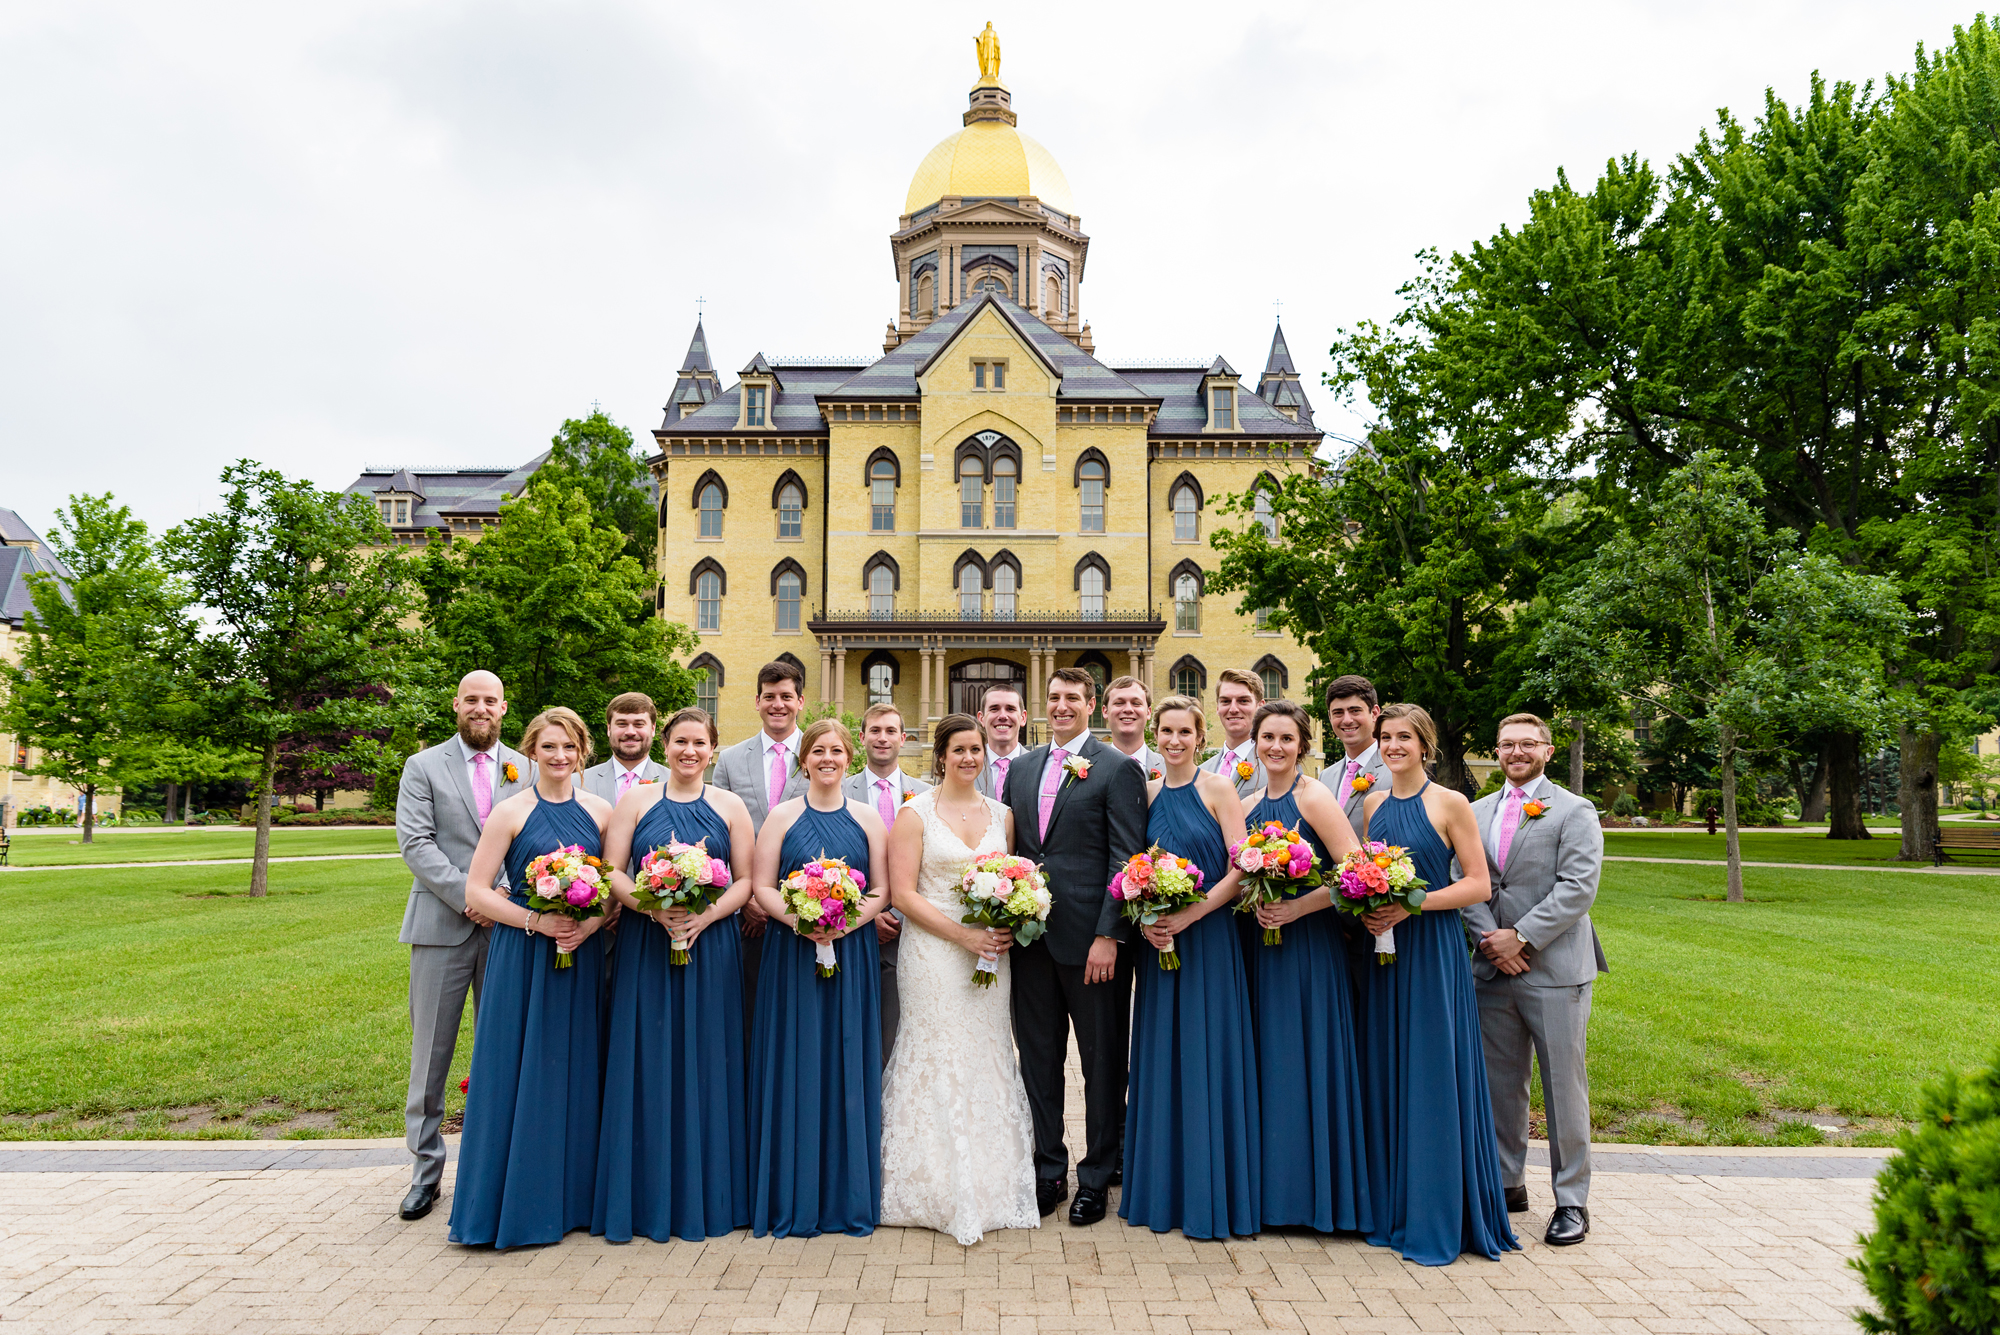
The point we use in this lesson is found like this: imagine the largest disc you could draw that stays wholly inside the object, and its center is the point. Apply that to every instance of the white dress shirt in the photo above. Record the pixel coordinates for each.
(790, 746)
(1500, 814)
(1359, 762)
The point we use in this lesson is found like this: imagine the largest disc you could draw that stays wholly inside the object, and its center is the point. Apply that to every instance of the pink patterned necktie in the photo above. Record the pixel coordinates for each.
(1050, 783)
(482, 786)
(1000, 764)
(777, 775)
(1353, 768)
(1510, 821)
(885, 802)
(625, 782)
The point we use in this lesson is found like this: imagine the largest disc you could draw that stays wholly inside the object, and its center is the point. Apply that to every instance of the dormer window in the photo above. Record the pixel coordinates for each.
(989, 375)
(753, 405)
(1222, 408)
(396, 511)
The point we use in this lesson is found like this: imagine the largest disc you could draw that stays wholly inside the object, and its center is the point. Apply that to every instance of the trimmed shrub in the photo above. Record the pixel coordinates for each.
(1933, 1262)
(1625, 805)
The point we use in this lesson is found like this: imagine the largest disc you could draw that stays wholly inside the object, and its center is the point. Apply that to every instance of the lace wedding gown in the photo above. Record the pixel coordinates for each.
(958, 1146)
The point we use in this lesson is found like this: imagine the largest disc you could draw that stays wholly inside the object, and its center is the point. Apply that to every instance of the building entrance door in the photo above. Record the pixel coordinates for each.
(970, 682)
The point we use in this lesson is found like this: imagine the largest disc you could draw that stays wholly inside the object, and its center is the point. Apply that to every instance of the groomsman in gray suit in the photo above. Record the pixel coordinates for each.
(1237, 695)
(1537, 955)
(630, 721)
(883, 785)
(1351, 711)
(1002, 713)
(445, 796)
(764, 771)
(1128, 708)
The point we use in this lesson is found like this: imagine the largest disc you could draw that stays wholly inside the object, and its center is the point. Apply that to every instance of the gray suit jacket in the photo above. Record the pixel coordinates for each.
(740, 769)
(1547, 889)
(437, 828)
(861, 788)
(1147, 760)
(603, 779)
(1334, 776)
(1244, 787)
(989, 785)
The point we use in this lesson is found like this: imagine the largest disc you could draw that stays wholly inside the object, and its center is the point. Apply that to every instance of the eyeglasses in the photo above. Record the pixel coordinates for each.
(1519, 748)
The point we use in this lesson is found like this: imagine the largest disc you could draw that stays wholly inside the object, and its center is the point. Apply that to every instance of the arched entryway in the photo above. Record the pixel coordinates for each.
(970, 681)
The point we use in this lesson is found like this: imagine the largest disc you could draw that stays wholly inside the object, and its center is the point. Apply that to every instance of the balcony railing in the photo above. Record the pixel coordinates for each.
(1123, 616)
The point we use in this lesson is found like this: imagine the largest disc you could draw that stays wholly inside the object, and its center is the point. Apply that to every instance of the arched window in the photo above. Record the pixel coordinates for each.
(1099, 668)
(881, 592)
(1273, 674)
(926, 294)
(883, 475)
(1052, 303)
(789, 590)
(707, 691)
(1090, 476)
(1188, 676)
(711, 510)
(1006, 581)
(790, 500)
(971, 493)
(1260, 510)
(1187, 507)
(1187, 605)
(1090, 585)
(1004, 470)
(708, 601)
(968, 592)
(881, 684)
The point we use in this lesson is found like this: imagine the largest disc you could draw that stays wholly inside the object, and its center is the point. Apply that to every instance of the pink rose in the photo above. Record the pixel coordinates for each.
(860, 881)
(547, 886)
(718, 872)
(1249, 859)
(1016, 871)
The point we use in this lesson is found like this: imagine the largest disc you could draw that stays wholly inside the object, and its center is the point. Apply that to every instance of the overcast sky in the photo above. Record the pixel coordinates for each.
(424, 233)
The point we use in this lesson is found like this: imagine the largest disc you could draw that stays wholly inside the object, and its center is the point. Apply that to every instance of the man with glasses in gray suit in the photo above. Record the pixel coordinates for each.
(445, 796)
(1537, 955)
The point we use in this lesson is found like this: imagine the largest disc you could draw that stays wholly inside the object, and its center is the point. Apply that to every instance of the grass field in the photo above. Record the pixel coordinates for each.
(1758, 846)
(55, 850)
(164, 1001)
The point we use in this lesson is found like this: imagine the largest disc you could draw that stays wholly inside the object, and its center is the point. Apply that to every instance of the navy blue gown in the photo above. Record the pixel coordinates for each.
(528, 1162)
(1308, 1068)
(1434, 1168)
(673, 1159)
(1192, 1160)
(816, 1062)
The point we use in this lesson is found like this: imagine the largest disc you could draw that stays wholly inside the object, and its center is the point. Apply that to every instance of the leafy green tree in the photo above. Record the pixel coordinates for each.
(1711, 616)
(308, 603)
(93, 676)
(552, 601)
(596, 455)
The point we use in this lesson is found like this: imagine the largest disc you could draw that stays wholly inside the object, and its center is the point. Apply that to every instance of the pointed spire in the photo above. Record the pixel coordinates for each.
(697, 358)
(1280, 362)
(1280, 385)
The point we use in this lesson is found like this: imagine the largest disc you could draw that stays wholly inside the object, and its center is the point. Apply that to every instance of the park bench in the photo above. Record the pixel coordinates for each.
(1960, 838)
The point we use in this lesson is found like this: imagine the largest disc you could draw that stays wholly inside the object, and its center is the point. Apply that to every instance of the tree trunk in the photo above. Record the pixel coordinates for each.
(1843, 788)
(1917, 795)
(1726, 753)
(1812, 794)
(89, 811)
(173, 796)
(1451, 769)
(1576, 760)
(260, 859)
(187, 804)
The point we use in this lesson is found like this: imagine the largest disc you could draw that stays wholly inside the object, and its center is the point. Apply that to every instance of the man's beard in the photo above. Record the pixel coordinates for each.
(631, 752)
(479, 734)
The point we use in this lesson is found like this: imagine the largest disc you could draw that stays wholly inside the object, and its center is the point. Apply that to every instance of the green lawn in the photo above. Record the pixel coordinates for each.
(132, 992)
(54, 850)
(1758, 846)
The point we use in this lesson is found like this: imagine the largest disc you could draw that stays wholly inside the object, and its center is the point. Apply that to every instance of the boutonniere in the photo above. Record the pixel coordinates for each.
(509, 773)
(1533, 810)
(907, 796)
(1244, 769)
(1153, 773)
(1361, 783)
(1076, 767)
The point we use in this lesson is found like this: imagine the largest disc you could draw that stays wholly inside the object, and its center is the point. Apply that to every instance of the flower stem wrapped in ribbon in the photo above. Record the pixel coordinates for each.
(1276, 863)
(1154, 883)
(1374, 876)
(824, 896)
(677, 875)
(1008, 892)
(569, 882)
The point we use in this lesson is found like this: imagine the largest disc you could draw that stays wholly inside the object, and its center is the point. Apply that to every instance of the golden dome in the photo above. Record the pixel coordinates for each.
(988, 158)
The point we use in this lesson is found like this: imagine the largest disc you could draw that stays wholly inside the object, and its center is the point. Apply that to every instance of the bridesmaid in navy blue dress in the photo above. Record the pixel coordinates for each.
(1192, 1160)
(528, 1162)
(673, 1159)
(1434, 1168)
(1309, 1070)
(816, 1043)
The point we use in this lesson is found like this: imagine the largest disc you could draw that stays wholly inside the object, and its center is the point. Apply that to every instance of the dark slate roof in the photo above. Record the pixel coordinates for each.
(757, 366)
(16, 564)
(13, 528)
(1182, 411)
(1083, 376)
(697, 358)
(1221, 367)
(447, 492)
(794, 408)
(1280, 360)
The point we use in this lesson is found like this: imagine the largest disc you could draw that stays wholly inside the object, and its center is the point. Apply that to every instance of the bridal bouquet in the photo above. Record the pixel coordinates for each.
(1153, 883)
(679, 875)
(1276, 863)
(572, 883)
(1001, 890)
(1374, 876)
(824, 896)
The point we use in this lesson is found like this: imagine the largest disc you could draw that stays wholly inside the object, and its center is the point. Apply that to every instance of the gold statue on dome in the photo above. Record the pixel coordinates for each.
(988, 46)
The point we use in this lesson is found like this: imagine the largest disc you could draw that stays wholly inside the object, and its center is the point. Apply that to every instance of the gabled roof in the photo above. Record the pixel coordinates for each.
(697, 358)
(14, 529)
(443, 493)
(1221, 367)
(757, 366)
(1081, 376)
(17, 597)
(1183, 413)
(794, 409)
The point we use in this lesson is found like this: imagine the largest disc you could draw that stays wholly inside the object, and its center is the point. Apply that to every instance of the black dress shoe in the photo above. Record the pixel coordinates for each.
(1088, 1207)
(419, 1202)
(1049, 1193)
(1517, 1199)
(1568, 1226)
(1118, 1176)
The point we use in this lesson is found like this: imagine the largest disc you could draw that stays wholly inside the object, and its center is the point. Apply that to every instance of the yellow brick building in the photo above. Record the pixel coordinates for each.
(986, 501)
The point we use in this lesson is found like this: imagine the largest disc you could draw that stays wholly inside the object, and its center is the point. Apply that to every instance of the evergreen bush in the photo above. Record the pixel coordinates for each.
(1933, 1262)
(1625, 805)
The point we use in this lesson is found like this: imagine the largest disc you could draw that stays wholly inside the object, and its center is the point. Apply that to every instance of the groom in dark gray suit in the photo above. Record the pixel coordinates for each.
(1079, 810)
(1536, 957)
(445, 796)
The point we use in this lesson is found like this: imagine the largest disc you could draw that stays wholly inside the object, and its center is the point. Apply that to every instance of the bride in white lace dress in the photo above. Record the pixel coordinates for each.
(958, 1145)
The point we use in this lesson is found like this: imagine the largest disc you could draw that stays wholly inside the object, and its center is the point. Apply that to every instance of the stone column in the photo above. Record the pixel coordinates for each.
(839, 675)
(1132, 657)
(1031, 274)
(941, 697)
(825, 672)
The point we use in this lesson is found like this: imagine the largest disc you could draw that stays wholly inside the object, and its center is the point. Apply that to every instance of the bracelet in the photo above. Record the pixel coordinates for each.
(528, 926)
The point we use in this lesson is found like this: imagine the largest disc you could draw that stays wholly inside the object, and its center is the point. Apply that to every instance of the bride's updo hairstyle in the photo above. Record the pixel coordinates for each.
(561, 716)
(1188, 704)
(1420, 719)
(816, 730)
(947, 728)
